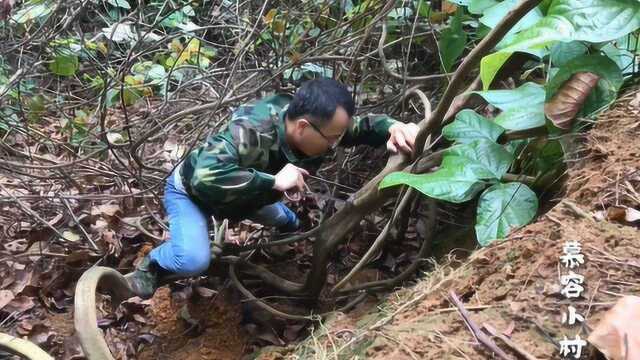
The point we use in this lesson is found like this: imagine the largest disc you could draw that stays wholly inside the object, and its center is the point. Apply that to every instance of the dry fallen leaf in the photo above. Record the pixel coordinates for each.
(71, 236)
(617, 335)
(622, 214)
(566, 103)
(5, 297)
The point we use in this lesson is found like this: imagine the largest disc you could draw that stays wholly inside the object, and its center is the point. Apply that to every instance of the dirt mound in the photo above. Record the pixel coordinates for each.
(205, 328)
(514, 286)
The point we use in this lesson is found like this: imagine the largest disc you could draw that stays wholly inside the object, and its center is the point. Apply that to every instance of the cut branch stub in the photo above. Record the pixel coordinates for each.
(566, 103)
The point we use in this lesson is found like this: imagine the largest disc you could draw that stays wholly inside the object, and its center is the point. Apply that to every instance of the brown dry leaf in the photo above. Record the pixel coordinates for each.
(109, 210)
(5, 297)
(22, 279)
(20, 304)
(566, 103)
(622, 214)
(16, 246)
(617, 335)
(448, 7)
(40, 334)
(5, 8)
(616, 213)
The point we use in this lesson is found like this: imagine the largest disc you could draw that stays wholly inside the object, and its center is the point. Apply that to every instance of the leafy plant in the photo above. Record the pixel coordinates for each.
(566, 37)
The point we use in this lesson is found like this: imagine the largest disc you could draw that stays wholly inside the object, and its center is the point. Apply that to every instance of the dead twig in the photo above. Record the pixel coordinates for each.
(480, 335)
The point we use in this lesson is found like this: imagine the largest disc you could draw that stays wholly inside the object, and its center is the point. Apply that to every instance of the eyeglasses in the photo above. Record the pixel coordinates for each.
(332, 143)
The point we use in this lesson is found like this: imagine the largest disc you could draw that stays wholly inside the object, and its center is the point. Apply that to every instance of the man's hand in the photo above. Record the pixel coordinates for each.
(290, 177)
(403, 137)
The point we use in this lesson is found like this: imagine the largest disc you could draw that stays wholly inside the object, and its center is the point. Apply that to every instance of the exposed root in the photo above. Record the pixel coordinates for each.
(85, 318)
(23, 348)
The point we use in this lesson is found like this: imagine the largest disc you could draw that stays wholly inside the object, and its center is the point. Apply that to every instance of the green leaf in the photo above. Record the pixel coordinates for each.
(549, 29)
(522, 118)
(503, 207)
(423, 8)
(493, 15)
(120, 3)
(583, 20)
(446, 184)
(461, 174)
(469, 126)
(452, 42)
(481, 158)
(490, 65)
(400, 13)
(188, 10)
(562, 52)
(478, 6)
(547, 157)
(623, 58)
(599, 20)
(527, 95)
(605, 92)
(32, 12)
(64, 65)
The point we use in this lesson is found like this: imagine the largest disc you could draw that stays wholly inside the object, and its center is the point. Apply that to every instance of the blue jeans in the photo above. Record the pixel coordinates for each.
(187, 252)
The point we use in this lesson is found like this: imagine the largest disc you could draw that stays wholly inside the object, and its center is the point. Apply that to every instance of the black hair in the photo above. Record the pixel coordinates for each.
(318, 99)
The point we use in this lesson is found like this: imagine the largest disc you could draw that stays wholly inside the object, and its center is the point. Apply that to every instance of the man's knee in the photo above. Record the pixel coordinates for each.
(192, 263)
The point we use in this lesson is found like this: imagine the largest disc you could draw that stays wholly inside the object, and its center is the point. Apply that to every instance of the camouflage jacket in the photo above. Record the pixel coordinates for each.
(232, 174)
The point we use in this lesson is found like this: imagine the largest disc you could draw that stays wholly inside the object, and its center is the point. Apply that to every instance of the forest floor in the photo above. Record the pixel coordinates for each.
(512, 286)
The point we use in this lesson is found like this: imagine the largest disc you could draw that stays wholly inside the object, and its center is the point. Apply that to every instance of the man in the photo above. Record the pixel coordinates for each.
(231, 175)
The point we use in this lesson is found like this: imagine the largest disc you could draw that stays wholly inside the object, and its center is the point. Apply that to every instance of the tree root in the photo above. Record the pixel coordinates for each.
(411, 269)
(377, 244)
(263, 305)
(85, 318)
(22, 348)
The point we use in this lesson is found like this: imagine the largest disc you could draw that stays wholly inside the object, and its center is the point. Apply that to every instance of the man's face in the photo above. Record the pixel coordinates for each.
(314, 140)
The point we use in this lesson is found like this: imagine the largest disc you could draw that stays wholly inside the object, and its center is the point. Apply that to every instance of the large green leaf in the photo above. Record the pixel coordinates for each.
(494, 14)
(462, 173)
(469, 126)
(64, 65)
(599, 20)
(503, 207)
(454, 185)
(549, 29)
(584, 20)
(120, 3)
(482, 158)
(522, 118)
(478, 6)
(490, 65)
(610, 80)
(452, 42)
(527, 95)
(622, 57)
(32, 11)
(562, 52)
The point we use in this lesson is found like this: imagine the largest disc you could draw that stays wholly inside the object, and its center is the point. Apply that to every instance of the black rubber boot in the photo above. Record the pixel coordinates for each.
(144, 279)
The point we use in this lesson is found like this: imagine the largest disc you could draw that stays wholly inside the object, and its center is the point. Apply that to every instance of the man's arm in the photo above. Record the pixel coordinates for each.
(218, 178)
(370, 130)
(375, 130)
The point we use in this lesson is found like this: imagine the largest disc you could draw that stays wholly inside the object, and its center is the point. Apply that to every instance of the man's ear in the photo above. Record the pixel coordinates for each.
(301, 124)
